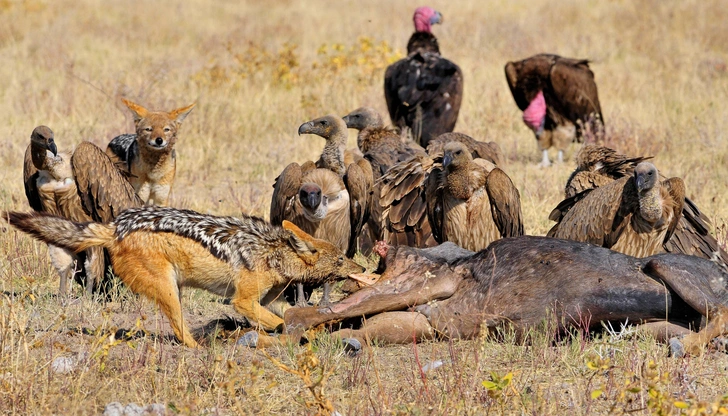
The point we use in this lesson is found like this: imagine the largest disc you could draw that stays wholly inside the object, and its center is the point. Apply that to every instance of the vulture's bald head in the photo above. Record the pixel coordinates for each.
(425, 17)
(42, 137)
(645, 176)
(326, 127)
(455, 154)
(362, 118)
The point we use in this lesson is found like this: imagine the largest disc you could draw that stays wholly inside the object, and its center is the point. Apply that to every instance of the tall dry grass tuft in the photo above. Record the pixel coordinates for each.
(257, 71)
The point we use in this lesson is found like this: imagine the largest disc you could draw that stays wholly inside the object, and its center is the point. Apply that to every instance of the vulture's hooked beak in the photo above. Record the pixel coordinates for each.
(305, 128)
(436, 18)
(446, 160)
(52, 147)
(346, 120)
(310, 196)
(639, 181)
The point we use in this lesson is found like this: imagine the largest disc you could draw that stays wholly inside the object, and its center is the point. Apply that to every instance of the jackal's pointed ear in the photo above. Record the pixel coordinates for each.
(138, 111)
(179, 114)
(300, 240)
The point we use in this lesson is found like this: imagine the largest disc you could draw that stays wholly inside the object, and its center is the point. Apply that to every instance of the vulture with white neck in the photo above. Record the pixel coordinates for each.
(326, 198)
(634, 215)
(82, 186)
(598, 166)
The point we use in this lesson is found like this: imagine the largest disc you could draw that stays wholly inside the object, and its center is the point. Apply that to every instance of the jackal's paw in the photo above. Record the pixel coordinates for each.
(249, 339)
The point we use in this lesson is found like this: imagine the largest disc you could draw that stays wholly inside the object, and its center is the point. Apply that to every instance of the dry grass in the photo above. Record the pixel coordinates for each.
(257, 70)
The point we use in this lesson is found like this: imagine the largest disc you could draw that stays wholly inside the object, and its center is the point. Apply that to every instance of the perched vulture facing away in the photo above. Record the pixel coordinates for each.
(424, 90)
(559, 100)
(327, 199)
(471, 202)
(83, 186)
(597, 166)
(635, 215)
(404, 190)
(383, 148)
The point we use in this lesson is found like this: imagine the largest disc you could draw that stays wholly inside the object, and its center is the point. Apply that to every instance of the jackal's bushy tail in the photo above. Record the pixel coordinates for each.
(61, 232)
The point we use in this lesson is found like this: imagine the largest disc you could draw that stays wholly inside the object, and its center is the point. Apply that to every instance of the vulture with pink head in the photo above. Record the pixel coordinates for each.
(559, 100)
(424, 90)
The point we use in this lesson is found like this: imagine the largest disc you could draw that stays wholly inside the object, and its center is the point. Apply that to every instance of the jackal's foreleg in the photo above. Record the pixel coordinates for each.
(153, 276)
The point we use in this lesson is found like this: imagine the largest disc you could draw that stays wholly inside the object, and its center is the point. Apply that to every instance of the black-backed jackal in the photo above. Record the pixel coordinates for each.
(156, 251)
(149, 156)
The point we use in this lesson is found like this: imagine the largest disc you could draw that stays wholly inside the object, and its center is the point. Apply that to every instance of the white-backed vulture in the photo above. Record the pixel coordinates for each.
(327, 199)
(559, 100)
(471, 202)
(424, 90)
(598, 165)
(383, 148)
(83, 186)
(634, 215)
(404, 191)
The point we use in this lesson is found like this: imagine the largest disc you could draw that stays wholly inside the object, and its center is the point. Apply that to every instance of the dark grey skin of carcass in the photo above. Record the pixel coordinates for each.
(447, 292)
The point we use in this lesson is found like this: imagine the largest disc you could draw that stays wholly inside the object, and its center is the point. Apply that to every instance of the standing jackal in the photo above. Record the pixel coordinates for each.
(149, 155)
(156, 251)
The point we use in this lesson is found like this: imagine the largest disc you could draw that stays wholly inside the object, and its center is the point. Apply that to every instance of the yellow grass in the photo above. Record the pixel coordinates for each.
(259, 69)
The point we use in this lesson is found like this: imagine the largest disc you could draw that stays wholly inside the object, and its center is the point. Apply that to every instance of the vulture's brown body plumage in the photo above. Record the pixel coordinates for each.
(404, 189)
(327, 199)
(424, 90)
(571, 100)
(471, 202)
(598, 166)
(83, 186)
(634, 215)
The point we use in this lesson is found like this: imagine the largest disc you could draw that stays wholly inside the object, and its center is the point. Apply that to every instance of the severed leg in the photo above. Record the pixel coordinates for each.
(391, 328)
(409, 289)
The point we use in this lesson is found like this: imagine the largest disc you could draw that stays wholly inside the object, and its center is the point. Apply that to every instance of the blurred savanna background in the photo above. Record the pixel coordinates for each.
(259, 69)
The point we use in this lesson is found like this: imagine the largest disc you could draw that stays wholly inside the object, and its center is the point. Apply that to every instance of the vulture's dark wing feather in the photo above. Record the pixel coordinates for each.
(285, 190)
(30, 177)
(676, 189)
(102, 188)
(424, 93)
(574, 90)
(505, 203)
(435, 202)
(358, 183)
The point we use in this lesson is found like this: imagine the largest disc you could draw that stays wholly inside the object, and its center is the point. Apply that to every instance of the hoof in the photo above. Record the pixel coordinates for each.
(677, 349)
(249, 339)
(352, 347)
